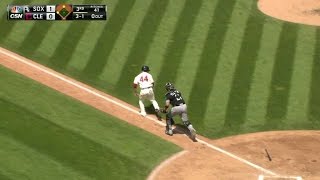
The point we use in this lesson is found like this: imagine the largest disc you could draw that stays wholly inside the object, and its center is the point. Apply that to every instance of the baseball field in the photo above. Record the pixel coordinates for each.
(239, 70)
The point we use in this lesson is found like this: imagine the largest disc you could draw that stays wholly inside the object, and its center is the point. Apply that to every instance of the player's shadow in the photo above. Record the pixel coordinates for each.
(150, 110)
(182, 129)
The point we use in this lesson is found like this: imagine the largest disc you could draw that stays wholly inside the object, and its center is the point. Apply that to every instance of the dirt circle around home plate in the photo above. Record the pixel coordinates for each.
(297, 11)
(291, 153)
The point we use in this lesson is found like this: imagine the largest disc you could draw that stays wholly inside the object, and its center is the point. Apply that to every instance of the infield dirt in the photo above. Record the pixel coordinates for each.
(298, 11)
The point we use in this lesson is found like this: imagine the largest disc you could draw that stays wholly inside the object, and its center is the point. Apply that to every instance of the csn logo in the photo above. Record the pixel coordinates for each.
(16, 16)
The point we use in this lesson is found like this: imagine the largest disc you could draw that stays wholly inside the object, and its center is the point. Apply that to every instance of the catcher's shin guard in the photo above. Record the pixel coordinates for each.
(169, 130)
(169, 119)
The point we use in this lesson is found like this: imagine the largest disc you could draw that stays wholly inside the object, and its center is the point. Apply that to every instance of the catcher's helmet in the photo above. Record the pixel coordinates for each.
(145, 68)
(169, 86)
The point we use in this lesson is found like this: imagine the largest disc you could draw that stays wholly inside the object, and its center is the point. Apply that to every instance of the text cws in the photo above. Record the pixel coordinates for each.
(57, 12)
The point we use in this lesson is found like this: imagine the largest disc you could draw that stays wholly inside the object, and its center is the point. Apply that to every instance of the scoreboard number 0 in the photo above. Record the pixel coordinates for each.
(51, 16)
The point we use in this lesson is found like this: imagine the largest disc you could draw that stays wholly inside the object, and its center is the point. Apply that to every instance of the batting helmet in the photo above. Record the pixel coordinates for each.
(169, 86)
(145, 68)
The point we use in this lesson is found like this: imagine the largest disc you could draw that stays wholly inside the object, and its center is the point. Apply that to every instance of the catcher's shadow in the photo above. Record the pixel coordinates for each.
(182, 129)
(150, 110)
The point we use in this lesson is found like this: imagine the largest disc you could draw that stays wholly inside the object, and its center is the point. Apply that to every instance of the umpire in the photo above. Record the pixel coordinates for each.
(178, 107)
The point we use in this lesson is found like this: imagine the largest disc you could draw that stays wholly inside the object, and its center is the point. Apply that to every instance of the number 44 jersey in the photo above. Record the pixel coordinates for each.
(144, 80)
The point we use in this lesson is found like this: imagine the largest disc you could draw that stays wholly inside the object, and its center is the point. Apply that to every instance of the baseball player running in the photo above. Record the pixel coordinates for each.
(146, 83)
(178, 107)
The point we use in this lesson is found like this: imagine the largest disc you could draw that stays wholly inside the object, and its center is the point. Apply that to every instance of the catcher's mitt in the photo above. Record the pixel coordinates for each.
(163, 110)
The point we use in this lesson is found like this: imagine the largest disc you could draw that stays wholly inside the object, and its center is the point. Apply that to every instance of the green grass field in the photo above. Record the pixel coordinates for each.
(46, 135)
(239, 70)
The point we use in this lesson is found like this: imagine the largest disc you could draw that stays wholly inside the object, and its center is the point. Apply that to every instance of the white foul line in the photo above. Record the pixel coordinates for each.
(262, 177)
(56, 75)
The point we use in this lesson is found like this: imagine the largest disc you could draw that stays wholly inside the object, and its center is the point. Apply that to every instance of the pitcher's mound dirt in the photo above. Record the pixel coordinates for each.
(298, 11)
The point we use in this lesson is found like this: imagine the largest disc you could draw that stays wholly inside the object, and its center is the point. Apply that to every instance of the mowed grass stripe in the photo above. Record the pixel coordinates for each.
(141, 46)
(93, 124)
(4, 177)
(63, 52)
(9, 25)
(176, 47)
(50, 42)
(298, 96)
(162, 38)
(35, 36)
(17, 29)
(52, 39)
(242, 77)
(314, 100)
(208, 64)
(111, 71)
(195, 43)
(19, 161)
(86, 45)
(69, 41)
(218, 97)
(107, 39)
(69, 148)
(262, 76)
(281, 75)
(87, 42)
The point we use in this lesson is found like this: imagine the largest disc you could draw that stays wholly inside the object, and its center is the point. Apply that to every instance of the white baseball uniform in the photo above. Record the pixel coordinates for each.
(145, 82)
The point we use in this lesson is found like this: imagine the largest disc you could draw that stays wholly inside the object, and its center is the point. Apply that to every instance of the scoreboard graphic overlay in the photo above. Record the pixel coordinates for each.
(57, 12)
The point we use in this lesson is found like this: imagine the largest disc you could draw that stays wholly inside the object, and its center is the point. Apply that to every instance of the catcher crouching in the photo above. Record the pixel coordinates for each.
(178, 107)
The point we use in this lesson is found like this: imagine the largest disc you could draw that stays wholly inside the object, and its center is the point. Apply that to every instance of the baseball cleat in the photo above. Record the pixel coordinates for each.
(158, 116)
(193, 133)
(169, 132)
(144, 114)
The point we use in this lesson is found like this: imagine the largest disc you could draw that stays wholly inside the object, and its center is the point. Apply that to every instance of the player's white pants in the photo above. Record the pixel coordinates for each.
(147, 94)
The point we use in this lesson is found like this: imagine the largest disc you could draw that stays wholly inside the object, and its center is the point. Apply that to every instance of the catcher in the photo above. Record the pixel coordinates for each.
(178, 107)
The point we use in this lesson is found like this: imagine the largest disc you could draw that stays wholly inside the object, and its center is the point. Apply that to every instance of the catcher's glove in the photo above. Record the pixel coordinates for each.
(163, 110)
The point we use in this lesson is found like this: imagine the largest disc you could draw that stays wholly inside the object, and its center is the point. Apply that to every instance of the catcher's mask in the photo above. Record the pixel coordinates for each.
(145, 68)
(169, 86)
